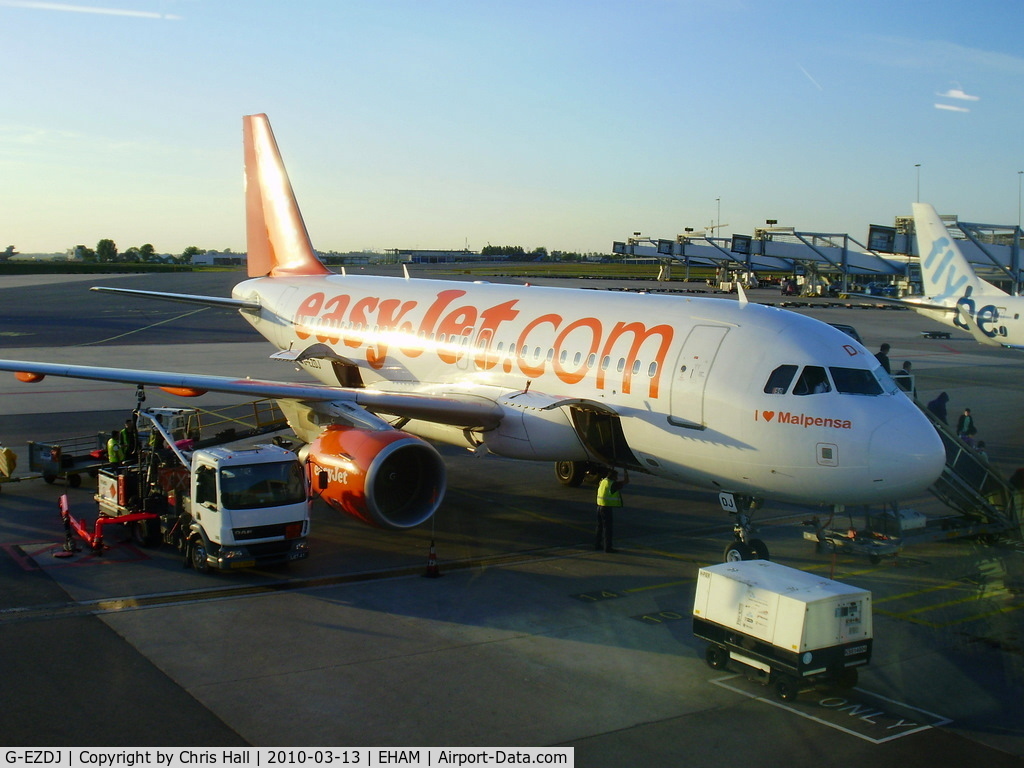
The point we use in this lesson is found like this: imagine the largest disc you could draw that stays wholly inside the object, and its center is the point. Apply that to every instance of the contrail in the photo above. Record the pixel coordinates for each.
(41, 6)
(808, 75)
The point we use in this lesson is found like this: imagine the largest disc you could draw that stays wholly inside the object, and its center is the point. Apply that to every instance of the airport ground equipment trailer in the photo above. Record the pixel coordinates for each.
(783, 627)
(222, 505)
(69, 457)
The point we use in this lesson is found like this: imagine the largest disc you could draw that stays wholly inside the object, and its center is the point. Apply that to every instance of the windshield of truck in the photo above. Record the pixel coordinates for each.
(252, 486)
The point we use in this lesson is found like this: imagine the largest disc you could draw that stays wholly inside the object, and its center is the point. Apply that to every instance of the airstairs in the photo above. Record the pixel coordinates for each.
(986, 502)
(983, 504)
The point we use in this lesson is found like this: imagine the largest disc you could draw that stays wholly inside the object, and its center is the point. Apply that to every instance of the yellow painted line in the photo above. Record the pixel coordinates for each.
(947, 604)
(917, 592)
(953, 622)
(659, 586)
(528, 513)
(144, 328)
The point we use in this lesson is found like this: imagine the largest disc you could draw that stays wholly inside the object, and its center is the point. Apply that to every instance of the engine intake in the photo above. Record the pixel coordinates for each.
(386, 478)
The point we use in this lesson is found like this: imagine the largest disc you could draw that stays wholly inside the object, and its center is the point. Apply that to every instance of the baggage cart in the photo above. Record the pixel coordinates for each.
(68, 457)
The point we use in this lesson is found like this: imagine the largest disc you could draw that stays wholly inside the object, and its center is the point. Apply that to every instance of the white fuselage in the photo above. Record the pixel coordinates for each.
(687, 377)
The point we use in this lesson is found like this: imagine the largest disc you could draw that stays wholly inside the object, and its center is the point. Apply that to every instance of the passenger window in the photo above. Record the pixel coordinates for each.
(813, 381)
(855, 381)
(780, 380)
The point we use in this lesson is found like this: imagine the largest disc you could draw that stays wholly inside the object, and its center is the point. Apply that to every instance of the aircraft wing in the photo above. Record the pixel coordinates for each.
(462, 410)
(908, 303)
(187, 298)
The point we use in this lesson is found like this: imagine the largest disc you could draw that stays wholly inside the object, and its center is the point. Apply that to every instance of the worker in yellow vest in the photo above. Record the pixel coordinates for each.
(609, 496)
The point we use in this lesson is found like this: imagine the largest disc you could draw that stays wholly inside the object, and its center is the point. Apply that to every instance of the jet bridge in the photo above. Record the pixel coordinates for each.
(994, 250)
(770, 250)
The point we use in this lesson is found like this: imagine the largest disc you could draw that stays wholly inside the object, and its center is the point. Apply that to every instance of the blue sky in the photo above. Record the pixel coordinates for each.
(557, 123)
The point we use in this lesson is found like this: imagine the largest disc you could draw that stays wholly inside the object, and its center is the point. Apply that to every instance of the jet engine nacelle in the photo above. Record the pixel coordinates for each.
(385, 478)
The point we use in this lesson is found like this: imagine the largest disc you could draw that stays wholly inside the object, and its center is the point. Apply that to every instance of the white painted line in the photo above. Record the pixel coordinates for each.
(940, 721)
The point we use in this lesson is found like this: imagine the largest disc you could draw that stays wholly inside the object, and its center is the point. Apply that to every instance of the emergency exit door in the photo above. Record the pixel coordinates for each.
(690, 377)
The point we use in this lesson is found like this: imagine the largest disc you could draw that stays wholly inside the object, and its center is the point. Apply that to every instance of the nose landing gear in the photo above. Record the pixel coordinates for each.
(745, 545)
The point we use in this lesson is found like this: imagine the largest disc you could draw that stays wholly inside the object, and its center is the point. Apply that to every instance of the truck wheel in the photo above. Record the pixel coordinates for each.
(570, 473)
(197, 555)
(786, 688)
(146, 533)
(759, 549)
(716, 656)
(74, 481)
(736, 551)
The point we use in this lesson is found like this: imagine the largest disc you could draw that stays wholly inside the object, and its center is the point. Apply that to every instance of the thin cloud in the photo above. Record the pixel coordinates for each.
(957, 93)
(951, 107)
(67, 8)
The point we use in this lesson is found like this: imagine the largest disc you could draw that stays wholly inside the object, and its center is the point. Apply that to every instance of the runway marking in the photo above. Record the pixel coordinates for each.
(611, 594)
(143, 328)
(42, 556)
(527, 512)
(101, 606)
(865, 720)
(661, 617)
(913, 615)
(596, 597)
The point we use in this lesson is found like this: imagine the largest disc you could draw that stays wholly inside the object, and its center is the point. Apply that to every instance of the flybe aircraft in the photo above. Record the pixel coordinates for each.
(750, 401)
(954, 294)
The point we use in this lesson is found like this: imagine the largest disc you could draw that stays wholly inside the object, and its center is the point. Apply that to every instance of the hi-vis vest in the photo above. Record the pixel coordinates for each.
(606, 497)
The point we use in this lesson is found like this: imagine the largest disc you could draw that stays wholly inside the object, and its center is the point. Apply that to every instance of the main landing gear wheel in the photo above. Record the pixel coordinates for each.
(570, 473)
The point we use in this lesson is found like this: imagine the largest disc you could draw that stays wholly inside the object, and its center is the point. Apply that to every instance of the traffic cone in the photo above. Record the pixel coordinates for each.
(432, 570)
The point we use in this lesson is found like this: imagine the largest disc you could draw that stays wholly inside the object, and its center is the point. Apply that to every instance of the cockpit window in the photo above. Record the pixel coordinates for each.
(813, 381)
(855, 381)
(780, 380)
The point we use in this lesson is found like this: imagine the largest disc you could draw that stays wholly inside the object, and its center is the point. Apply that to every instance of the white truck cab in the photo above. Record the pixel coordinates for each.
(247, 505)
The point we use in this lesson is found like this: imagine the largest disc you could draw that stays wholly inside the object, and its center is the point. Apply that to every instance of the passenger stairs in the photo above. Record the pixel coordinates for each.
(986, 502)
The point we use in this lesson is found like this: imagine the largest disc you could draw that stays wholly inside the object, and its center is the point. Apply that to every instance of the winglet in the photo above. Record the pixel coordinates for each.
(278, 242)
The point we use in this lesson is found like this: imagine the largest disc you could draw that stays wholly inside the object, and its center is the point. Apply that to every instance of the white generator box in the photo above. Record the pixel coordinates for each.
(792, 610)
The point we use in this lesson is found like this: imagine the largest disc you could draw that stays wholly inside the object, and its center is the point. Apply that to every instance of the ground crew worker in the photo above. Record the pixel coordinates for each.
(609, 496)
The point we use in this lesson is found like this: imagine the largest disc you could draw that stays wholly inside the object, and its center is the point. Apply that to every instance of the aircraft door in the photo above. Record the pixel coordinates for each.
(691, 375)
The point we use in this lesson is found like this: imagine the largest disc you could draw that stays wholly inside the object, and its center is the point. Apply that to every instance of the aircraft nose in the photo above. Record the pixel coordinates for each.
(906, 455)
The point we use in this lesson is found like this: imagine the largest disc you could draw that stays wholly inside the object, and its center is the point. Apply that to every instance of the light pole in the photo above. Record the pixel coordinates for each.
(719, 222)
(918, 166)
(1019, 174)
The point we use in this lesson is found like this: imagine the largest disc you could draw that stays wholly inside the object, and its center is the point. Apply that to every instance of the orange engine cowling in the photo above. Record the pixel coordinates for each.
(386, 478)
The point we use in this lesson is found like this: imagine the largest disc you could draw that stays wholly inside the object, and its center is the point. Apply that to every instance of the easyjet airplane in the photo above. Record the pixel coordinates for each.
(750, 401)
(954, 294)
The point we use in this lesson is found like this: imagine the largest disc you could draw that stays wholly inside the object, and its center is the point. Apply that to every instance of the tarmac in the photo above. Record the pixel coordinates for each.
(528, 638)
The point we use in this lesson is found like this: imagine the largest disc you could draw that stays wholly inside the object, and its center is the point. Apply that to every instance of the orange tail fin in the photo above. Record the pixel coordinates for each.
(276, 235)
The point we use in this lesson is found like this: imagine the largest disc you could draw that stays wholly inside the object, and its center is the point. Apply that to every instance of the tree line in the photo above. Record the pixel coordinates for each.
(540, 253)
(106, 252)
